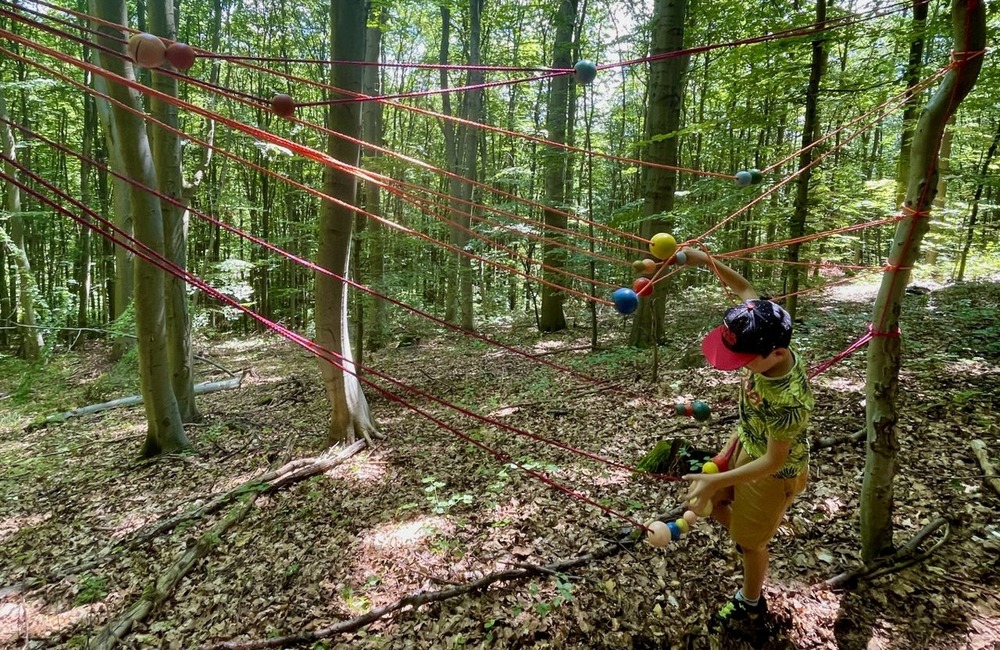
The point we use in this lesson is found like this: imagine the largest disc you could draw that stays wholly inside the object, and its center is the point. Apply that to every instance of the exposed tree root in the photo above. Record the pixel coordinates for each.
(833, 441)
(904, 557)
(982, 455)
(414, 600)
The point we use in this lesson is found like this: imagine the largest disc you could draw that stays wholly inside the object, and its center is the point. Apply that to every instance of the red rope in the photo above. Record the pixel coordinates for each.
(334, 358)
(302, 150)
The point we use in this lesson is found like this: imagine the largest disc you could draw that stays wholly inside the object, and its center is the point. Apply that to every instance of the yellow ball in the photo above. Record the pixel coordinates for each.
(683, 525)
(709, 468)
(662, 246)
(658, 534)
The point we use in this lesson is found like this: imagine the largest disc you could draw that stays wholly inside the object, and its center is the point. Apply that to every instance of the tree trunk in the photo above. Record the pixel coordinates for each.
(884, 355)
(122, 217)
(557, 166)
(31, 336)
(371, 121)
(664, 110)
(167, 158)
(810, 126)
(350, 414)
(913, 68)
(164, 433)
(971, 225)
(83, 261)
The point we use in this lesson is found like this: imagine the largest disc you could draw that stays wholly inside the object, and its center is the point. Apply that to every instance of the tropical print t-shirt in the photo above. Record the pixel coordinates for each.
(778, 408)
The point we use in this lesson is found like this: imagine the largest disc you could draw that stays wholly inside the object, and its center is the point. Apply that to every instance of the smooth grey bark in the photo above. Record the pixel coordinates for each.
(164, 430)
(350, 415)
(167, 159)
(664, 108)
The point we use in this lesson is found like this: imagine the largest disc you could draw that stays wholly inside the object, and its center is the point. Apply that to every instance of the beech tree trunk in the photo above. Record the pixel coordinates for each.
(350, 415)
(663, 110)
(164, 431)
(167, 158)
(377, 329)
(884, 354)
(557, 167)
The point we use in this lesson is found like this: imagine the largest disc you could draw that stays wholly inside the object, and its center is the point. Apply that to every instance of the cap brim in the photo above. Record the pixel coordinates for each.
(721, 357)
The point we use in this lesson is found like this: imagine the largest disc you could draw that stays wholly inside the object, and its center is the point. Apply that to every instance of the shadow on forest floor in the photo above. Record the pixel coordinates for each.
(426, 510)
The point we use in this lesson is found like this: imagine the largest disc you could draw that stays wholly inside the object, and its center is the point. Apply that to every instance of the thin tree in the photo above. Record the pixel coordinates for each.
(377, 331)
(810, 130)
(31, 336)
(350, 415)
(164, 431)
(970, 225)
(884, 351)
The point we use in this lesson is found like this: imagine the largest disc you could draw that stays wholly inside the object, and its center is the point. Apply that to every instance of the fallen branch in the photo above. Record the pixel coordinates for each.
(982, 455)
(267, 483)
(133, 400)
(414, 600)
(156, 593)
(904, 557)
(833, 441)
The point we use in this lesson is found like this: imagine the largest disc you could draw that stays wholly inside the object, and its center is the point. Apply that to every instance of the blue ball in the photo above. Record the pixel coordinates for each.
(586, 71)
(680, 259)
(675, 531)
(744, 178)
(625, 300)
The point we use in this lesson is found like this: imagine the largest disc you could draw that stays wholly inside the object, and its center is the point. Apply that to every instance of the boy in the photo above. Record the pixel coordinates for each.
(770, 451)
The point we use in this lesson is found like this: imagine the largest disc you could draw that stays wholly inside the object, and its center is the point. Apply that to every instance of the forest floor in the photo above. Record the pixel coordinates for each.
(425, 510)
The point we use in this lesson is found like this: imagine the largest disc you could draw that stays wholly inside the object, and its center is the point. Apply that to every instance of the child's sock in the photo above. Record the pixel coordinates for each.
(752, 603)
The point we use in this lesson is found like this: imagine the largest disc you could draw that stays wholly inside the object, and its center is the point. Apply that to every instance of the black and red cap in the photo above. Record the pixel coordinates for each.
(752, 329)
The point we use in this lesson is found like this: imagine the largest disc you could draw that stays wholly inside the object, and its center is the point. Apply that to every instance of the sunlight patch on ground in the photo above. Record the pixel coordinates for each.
(967, 368)
(24, 620)
(9, 526)
(129, 524)
(844, 384)
(410, 533)
(360, 471)
(854, 292)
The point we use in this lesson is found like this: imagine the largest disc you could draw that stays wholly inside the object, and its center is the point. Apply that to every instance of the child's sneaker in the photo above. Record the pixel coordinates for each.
(738, 614)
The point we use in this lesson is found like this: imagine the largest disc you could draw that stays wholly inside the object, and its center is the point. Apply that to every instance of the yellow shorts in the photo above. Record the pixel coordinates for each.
(757, 508)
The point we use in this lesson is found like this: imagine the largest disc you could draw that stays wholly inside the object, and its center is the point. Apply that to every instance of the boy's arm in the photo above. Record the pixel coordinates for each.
(705, 486)
(729, 277)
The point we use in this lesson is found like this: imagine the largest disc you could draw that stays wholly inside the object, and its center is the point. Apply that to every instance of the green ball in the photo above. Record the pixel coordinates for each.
(701, 411)
(756, 177)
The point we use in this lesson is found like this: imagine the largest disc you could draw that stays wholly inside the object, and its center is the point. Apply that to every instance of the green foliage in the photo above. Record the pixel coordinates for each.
(92, 589)
(440, 504)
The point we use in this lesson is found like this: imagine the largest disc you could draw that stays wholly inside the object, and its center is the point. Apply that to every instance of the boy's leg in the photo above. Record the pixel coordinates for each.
(755, 563)
(757, 510)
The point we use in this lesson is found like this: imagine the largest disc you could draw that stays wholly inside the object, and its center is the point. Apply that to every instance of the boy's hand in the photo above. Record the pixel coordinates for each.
(695, 256)
(703, 487)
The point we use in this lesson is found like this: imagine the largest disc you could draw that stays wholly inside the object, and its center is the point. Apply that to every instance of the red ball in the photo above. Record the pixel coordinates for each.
(283, 105)
(147, 50)
(181, 56)
(643, 287)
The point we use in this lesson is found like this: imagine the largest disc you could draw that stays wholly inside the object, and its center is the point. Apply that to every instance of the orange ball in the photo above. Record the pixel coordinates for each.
(181, 56)
(283, 105)
(146, 50)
